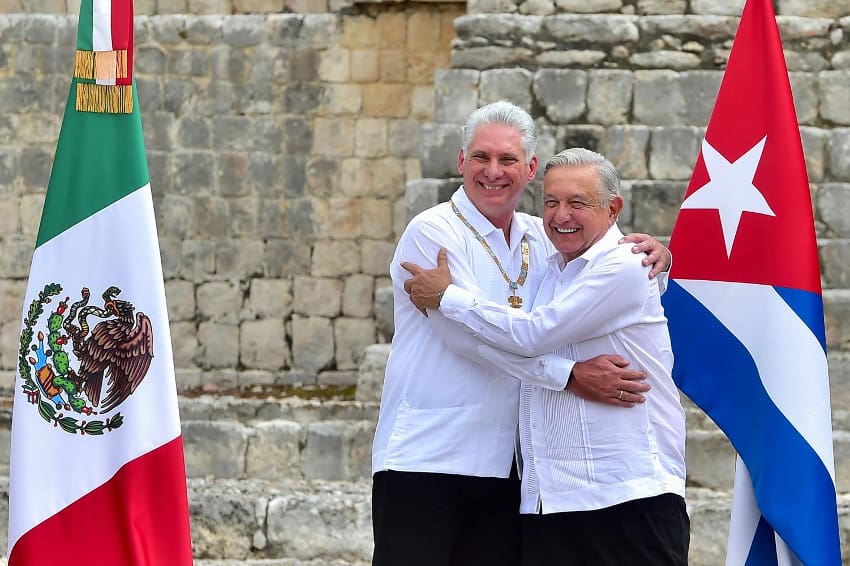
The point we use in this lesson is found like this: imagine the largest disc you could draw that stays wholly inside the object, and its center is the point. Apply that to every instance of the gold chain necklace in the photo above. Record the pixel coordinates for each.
(514, 300)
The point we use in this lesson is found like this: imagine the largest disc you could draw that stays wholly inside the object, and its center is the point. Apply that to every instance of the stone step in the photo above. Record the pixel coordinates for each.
(709, 512)
(340, 450)
(710, 459)
(319, 523)
(270, 523)
(229, 437)
(330, 450)
(277, 562)
(300, 520)
(277, 438)
(330, 522)
(271, 407)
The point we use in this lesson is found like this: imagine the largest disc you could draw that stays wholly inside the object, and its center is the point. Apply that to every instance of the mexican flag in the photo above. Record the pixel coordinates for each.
(97, 472)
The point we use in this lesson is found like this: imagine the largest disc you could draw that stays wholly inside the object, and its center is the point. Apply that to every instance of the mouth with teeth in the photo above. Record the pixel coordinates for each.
(565, 230)
(491, 187)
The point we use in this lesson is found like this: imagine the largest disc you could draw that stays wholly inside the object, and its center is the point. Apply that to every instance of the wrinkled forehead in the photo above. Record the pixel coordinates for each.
(495, 140)
(575, 181)
(572, 175)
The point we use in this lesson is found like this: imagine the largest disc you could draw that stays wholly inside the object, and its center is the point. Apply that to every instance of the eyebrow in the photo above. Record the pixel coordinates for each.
(478, 152)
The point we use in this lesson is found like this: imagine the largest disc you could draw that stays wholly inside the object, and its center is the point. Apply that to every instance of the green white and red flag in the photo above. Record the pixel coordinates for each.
(97, 471)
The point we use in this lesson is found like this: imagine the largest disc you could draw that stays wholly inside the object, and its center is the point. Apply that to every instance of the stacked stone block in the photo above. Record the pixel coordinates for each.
(639, 88)
(273, 478)
(278, 146)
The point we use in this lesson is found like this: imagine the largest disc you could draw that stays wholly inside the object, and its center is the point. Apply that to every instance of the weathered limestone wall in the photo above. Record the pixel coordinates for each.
(637, 81)
(279, 146)
(194, 7)
(287, 150)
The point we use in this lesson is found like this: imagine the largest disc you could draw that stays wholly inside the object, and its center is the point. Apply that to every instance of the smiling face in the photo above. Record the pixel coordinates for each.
(495, 172)
(574, 214)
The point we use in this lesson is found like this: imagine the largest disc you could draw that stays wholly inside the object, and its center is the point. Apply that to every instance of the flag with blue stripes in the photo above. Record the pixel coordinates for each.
(745, 309)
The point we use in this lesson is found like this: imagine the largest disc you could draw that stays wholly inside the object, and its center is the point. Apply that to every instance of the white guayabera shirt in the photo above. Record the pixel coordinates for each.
(583, 455)
(444, 408)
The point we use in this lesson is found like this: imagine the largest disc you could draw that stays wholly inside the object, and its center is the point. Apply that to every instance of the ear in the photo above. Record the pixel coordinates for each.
(460, 160)
(532, 168)
(614, 208)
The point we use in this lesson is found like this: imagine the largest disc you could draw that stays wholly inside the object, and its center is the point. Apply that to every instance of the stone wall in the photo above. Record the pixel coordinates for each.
(279, 147)
(288, 150)
(637, 81)
(194, 7)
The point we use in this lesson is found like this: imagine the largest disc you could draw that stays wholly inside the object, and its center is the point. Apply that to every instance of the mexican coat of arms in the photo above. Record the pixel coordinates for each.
(75, 372)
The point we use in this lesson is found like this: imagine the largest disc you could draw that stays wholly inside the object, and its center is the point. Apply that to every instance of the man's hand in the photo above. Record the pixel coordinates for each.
(658, 256)
(605, 379)
(426, 287)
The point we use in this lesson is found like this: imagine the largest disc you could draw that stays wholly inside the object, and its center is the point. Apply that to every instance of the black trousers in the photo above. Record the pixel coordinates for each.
(644, 532)
(427, 519)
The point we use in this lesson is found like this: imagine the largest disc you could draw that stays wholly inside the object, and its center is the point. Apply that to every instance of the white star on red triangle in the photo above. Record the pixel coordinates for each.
(730, 189)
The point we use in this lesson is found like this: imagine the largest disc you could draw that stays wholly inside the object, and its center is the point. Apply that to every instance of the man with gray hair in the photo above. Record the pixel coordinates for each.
(445, 488)
(600, 486)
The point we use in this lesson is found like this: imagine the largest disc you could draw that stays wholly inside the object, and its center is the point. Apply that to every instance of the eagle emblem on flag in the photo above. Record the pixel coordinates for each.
(67, 361)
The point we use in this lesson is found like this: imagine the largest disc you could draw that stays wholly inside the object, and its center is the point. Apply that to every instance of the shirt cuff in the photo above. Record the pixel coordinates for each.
(560, 370)
(456, 300)
(549, 371)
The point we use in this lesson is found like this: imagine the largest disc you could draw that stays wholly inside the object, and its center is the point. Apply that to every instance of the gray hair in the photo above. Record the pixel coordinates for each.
(609, 178)
(508, 114)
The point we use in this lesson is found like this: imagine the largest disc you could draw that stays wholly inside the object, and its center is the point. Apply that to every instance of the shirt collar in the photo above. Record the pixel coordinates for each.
(610, 240)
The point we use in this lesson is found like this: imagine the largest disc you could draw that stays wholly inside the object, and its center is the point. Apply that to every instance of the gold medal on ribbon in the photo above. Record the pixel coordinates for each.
(514, 300)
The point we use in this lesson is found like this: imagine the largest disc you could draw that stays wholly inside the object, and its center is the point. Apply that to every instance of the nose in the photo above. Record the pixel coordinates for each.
(493, 170)
(564, 214)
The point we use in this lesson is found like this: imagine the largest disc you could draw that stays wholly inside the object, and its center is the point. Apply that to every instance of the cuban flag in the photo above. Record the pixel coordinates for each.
(746, 313)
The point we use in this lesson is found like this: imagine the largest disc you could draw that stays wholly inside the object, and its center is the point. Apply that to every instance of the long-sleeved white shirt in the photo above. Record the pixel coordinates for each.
(583, 455)
(444, 408)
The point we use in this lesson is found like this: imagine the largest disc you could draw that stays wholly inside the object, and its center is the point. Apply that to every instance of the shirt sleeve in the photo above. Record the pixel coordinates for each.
(606, 296)
(547, 370)
(556, 377)
(420, 246)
